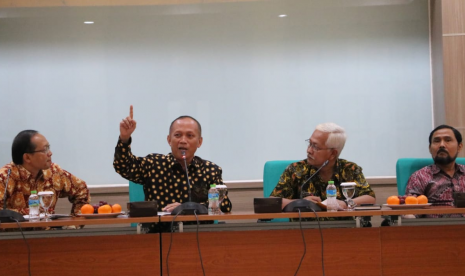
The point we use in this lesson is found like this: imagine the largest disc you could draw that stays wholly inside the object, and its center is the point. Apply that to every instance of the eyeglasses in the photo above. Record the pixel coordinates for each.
(314, 147)
(46, 150)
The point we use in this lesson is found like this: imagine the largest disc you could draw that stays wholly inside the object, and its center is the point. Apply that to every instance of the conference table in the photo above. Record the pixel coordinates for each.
(234, 249)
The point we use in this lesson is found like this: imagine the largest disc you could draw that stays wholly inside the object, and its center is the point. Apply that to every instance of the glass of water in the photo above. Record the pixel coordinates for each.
(348, 190)
(46, 200)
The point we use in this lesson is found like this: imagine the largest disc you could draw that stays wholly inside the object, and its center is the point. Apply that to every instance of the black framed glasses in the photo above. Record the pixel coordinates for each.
(46, 150)
(315, 147)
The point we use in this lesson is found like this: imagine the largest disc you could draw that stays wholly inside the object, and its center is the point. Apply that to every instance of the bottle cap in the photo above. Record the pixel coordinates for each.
(33, 192)
(330, 182)
(212, 185)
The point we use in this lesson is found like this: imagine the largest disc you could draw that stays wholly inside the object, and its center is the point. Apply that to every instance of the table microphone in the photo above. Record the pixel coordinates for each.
(5, 214)
(302, 204)
(188, 208)
(306, 181)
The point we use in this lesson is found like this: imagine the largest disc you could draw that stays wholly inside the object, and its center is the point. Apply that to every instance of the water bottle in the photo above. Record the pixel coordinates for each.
(34, 206)
(331, 193)
(213, 196)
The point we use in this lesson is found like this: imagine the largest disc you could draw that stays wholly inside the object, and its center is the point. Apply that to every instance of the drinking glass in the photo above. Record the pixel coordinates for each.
(348, 190)
(46, 199)
(222, 189)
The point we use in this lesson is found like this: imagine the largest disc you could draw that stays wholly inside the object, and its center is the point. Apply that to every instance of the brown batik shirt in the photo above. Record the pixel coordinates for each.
(54, 179)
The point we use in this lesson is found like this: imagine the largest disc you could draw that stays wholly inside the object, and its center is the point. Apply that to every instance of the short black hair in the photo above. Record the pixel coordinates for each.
(457, 134)
(22, 144)
(184, 117)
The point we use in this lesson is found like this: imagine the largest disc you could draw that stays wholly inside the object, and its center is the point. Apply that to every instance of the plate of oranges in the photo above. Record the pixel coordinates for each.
(407, 202)
(100, 211)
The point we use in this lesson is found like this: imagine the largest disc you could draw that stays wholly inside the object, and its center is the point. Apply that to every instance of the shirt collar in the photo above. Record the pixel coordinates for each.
(435, 169)
(24, 174)
(313, 169)
(173, 162)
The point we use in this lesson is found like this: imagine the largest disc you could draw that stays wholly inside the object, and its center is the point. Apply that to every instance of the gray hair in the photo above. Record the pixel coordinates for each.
(337, 136)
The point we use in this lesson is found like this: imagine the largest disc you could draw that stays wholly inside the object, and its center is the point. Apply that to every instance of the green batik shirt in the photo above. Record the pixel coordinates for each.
(296, 174)
(164, 179)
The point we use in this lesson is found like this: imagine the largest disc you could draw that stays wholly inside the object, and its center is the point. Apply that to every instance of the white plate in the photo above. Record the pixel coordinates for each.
(110, 215)
(407, 206)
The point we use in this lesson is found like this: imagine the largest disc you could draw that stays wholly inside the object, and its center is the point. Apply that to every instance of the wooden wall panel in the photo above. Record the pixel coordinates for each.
(94, 255)
(453, 16)
(353, 251)
(454, 79)
(414, 250)
(453, 22)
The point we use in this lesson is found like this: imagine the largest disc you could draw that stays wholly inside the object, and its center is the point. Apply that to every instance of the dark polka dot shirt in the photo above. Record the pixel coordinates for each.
(164, 179)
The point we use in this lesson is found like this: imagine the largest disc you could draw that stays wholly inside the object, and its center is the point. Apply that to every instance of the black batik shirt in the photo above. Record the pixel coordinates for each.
(164, 179)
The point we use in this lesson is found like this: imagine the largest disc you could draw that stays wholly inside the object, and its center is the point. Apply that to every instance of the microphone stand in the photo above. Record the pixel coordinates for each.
(5, 214)
(302, 204)
(189, 208)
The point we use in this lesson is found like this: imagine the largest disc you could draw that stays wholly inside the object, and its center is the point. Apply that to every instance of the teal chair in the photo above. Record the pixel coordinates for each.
(271, 174)
(136, 192)
(405, 167)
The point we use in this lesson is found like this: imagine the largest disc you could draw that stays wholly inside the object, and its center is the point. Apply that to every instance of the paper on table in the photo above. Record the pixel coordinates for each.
(163, 213)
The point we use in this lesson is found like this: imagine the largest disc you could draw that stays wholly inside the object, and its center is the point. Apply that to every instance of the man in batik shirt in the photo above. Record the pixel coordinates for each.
(325, 144)
(164, 176)
(32, 169)
(440, 180)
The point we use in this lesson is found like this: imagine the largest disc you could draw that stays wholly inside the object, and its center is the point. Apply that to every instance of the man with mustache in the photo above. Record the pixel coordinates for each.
(164, 176)
(439, 180)
(325, 144)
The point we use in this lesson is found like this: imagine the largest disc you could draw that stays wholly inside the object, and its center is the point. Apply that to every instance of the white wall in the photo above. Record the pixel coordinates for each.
(258, 84)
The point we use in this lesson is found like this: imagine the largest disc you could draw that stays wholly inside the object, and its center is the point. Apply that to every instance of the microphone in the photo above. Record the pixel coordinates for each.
(189, 208)
(183, 152)
(5, 214)
(302, 204)
(306, 181)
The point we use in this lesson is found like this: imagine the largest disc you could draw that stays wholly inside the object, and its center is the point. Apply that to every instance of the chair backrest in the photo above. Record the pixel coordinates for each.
(405, 167)
(136, 192)
(271, 174)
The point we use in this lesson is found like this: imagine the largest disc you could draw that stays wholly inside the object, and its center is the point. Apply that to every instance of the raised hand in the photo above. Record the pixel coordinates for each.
(127, 126)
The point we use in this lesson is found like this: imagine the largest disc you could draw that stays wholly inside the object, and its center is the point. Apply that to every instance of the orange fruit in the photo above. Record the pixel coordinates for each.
(116, 208)
(104, 209)
(87, 209)
(422, 199)
(393, 200)
(411, 200)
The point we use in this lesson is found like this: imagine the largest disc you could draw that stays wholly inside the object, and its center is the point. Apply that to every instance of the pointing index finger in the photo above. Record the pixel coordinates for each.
(131, 112)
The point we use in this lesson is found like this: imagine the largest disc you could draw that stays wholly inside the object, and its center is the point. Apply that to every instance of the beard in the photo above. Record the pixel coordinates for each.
(444, 160)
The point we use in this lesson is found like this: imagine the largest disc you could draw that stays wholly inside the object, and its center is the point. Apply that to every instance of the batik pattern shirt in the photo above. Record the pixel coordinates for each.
(289, 185)
(164, 179)
(437, 186)
(55, 179)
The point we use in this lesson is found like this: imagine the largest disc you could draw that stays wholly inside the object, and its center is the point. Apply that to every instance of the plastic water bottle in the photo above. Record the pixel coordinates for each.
(213, 196)
(331, 194)
(34, 206)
